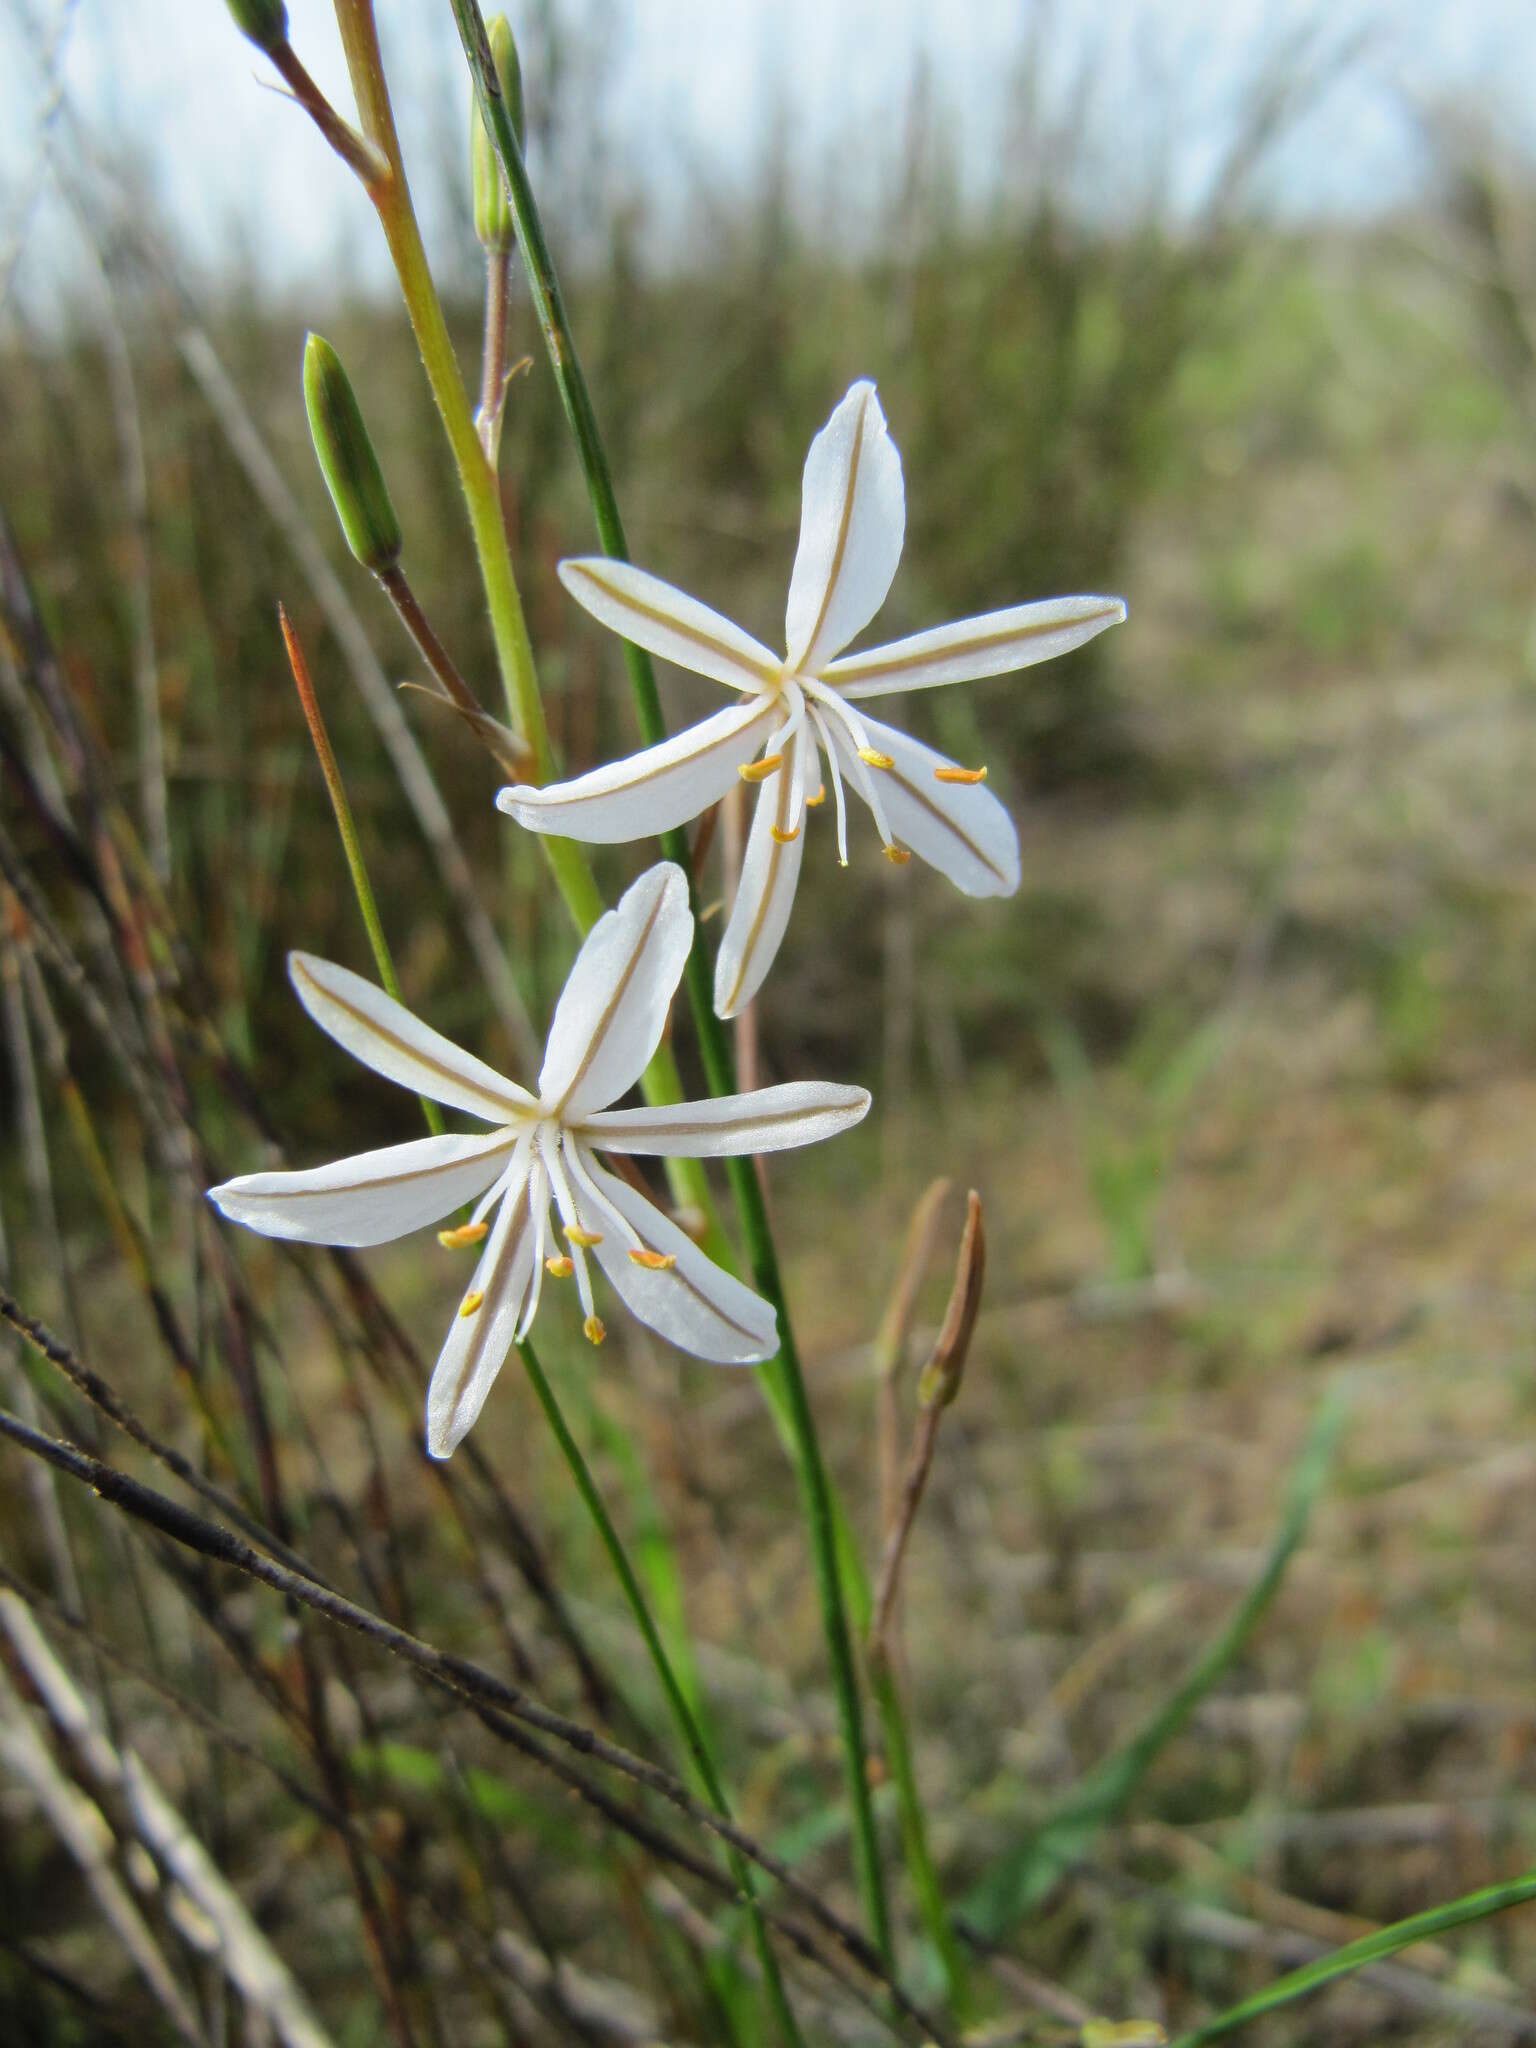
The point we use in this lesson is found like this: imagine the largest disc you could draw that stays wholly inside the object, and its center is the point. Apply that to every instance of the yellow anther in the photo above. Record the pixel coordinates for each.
(462, 1234)
(560, 1266)
(819, 798)
(584, 1237)
(898, 856)
(960, 774)
(759, 771)
(654, 1262)
(876, 760)
(471, 1303)
(784, 838)
(594, 1329)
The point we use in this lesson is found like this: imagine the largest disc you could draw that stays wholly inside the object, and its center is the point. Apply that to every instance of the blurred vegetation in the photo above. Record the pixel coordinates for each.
(1245, 1070)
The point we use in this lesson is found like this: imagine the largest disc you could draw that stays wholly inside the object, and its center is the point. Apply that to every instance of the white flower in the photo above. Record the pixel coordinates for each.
(802, 706)
(607, 1024)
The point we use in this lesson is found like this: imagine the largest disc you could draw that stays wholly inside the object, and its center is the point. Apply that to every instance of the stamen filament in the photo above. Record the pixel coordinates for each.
(828, 747)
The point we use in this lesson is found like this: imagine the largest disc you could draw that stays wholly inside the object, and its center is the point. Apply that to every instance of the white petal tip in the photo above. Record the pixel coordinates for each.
(575, 567)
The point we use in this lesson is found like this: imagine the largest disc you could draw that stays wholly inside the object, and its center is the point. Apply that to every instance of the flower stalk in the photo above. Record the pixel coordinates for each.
(539, 1152)
(782, 1379)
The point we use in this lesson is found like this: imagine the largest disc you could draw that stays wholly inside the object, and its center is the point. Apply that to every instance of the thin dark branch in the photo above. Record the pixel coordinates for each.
(500, 1707)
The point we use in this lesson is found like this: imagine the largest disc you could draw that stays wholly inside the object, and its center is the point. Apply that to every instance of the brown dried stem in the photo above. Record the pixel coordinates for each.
(937, 1387)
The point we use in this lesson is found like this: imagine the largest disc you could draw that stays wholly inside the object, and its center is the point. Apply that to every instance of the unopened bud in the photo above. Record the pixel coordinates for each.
(262, 22)
(347, 461)
(494, 224)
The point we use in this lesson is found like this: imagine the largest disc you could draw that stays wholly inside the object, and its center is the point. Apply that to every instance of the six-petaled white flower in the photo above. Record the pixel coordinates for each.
(607, 1024)
(803, 706)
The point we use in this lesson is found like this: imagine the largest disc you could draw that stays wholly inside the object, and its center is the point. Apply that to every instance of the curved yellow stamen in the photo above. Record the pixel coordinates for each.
(898, 856)
(875, 760)
(594, 1329)
(462, 1234)
(819, 798)
(560, 1266)
(582, 1237)
(784, 838)
(471, 1303)
(759, 771)
(961, 774)
(654, 1262)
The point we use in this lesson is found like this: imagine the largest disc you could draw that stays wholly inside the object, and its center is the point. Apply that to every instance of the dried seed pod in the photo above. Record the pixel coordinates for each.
(940, 1379)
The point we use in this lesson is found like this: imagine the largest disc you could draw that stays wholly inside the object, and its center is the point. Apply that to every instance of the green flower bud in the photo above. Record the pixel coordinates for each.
(262, 22)
(347, 461)
(493, 209)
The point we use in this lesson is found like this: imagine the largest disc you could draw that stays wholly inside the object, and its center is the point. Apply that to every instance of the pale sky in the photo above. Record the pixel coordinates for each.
(691, 90)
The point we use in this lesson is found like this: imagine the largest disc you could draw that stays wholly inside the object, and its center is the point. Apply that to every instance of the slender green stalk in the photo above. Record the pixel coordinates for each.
(351, 845)
(1370, 1948)
(687, 1725)
(783, 1377)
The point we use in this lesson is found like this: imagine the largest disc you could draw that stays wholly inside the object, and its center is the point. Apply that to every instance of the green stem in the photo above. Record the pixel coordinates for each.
(346, 826)
(783, 1377)
(684, 1719)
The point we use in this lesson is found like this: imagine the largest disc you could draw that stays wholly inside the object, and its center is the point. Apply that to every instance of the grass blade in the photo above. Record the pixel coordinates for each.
(1370, 1948)
(1021, 1878)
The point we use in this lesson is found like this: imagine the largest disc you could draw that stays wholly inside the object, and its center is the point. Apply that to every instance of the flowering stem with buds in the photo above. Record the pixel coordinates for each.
(783, 1381)
(514, 652)
(477, 476)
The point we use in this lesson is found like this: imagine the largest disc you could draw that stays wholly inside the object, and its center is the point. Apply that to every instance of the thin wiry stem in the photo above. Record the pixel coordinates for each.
(103, 1396)
(783, 1377)
(351, 845)
(501, 1707)
(694, 1743)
